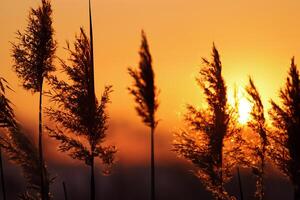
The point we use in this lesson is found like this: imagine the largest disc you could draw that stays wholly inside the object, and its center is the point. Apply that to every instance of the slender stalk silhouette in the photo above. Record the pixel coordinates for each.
(240, 184)
(92, 97)
(258, 124)
(209, 130)
(20, 149)
(78, 113)
(2, 177)
(5, 115)
(33, 56)
(145, 95)
(285, 139)
(65, 190)
(241, 161)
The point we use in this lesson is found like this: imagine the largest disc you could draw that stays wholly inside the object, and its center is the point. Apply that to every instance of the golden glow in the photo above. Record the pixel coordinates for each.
(243, 105)
(253, 38)
(244, 110)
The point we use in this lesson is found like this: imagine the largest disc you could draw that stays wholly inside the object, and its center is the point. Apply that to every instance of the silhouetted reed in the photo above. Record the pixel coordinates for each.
(65, 190)
(285, 139)
(240, 184)
(242, 161)
(6, 114)
(145, 95)
(20, 149)
(33, 56)
(2, 176)
(78, 113)
(257, 123)
(22, 152)
(212, 138)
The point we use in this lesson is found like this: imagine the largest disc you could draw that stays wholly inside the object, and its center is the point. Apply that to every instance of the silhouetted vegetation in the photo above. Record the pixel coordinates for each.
(285, 140)
(6, 114)
(33, 57)
(258, 124)
(78, 113)
(2, 176)
(145, 95)
(20, 149)
(212, 140)
(240, 184)
(65, 190)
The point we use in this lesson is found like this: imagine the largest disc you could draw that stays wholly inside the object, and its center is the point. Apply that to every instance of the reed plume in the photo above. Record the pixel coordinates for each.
(77, 111)
(6, 114)
(20, 148)
(33, 61)
(208, 130)
(145, 95)
(285, 138)
(258, 124)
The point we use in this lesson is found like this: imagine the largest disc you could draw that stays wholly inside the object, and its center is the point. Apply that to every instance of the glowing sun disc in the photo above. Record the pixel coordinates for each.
(244, 110)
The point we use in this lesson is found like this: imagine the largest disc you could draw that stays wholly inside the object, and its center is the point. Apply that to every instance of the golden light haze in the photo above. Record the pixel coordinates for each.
(255, 38)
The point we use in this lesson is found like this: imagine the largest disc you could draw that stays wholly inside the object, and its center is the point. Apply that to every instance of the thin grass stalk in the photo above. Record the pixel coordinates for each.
(65, 190)
(2, 177)
(258, 125)
(93, 196)
(44, 191)
(240, 184)
(92, 99)
(92, 52)
(262, 177)
(152, 166)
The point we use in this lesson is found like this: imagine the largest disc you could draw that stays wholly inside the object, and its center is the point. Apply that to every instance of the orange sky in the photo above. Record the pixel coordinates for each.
(255, 38)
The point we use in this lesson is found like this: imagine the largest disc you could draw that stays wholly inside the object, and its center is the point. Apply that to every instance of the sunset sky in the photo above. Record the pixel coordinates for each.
(255, 38)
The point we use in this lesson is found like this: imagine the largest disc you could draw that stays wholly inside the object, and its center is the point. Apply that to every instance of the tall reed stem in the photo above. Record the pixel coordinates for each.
(240, 184)
(152, 166)
(65, 190)
(2, 177)
(44, 192)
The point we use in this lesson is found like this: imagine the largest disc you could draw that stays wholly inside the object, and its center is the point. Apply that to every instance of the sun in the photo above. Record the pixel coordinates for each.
(243, 104)
(244, 109)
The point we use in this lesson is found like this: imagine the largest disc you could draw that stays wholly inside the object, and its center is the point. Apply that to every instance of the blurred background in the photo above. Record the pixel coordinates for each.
(255, 38)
